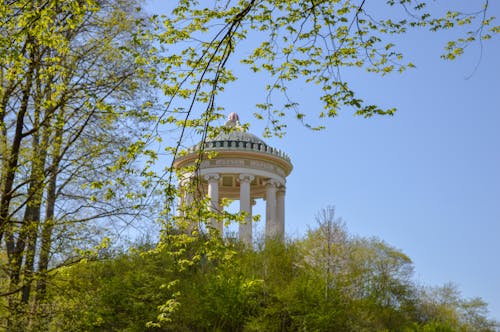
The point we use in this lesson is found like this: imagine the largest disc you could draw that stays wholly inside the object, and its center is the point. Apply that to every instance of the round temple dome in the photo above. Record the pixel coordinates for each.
(240, 136)
(236, 132)
(234, 139)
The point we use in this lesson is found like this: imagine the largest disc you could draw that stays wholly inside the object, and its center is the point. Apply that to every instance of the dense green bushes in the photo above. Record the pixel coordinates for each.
(327, 281)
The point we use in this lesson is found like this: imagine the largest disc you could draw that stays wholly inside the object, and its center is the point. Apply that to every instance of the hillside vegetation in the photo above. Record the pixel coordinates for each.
(328, 280)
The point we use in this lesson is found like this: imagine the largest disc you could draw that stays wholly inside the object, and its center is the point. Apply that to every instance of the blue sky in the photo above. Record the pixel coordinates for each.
(426, 180)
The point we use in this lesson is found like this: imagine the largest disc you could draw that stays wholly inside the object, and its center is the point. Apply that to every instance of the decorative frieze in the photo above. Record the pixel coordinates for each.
(242, 162)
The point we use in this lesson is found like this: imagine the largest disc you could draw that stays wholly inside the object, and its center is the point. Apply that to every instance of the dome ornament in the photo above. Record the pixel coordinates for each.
(233, 121)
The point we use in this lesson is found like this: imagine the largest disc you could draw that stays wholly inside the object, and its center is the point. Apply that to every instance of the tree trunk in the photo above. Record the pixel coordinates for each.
(48, 225)
(6, 225)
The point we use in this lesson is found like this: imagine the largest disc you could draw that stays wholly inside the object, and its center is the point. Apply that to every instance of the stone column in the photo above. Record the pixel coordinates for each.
(181, 193)
(184, 196)
(245, 229)
(280, 213)
(180, 199)
(185, 199)
(271, 187)
(213, 193)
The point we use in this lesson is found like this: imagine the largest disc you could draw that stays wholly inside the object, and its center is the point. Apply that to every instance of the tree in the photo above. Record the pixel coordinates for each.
(73, 99)
(291, 40)
(372, 277)
(286, 41)
(206, 283)
(328, 248)
(75, 111)
(443, 308)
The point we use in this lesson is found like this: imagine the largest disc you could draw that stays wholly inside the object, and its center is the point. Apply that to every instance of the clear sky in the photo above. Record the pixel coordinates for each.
(426, 180)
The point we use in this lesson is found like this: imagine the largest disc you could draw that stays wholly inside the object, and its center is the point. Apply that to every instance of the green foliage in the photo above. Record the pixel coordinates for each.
(78, 109)
(274, 287)
(121, 293)
(72, 105)
(313, 42)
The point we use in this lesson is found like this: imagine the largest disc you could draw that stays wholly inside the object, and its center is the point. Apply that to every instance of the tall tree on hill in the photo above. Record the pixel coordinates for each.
(71, 74)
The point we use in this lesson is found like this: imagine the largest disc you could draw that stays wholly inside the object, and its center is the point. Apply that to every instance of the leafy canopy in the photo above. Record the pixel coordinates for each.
(314, 41)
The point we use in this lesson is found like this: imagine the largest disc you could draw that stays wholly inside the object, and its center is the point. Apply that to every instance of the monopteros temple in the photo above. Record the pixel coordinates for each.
(244, 168)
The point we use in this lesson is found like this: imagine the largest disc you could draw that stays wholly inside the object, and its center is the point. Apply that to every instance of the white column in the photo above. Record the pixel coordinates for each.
(180, 199)
(213, 193)
(280, 213)
(271, 209)
(245, 229)
(185, 198)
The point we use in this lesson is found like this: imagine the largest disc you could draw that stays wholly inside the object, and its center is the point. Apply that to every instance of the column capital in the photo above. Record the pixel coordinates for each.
(185, 179)
(271, 183)
(246, 177)
(212, 177)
